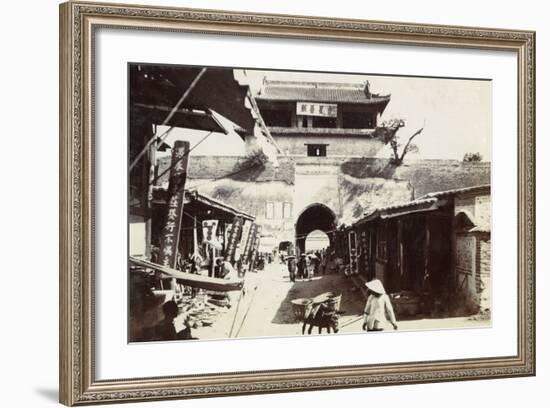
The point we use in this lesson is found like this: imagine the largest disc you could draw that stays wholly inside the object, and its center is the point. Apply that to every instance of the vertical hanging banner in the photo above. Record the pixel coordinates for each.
(246, 250)
(245, 235)
(231, 246)
(239, 252)
(227, 233)
(364, 257)
(169, 238)
(255, 245)
(209, 229)
(176, 188)
(353, 253)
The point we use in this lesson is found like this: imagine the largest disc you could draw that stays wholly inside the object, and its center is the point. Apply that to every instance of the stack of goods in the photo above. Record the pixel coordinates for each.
(198, 310)
(406, 304)
(218, 299)
(301, 308)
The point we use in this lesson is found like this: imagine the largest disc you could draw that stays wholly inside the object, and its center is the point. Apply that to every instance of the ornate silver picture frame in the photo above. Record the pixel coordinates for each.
(79, 23)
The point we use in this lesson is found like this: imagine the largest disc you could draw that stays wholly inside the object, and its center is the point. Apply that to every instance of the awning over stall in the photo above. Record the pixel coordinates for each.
(161, 86)
(201, 198)
(202, 205)
(190, 279)
(183, 118)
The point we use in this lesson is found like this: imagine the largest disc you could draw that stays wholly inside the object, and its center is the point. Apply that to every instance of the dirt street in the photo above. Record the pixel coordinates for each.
(266, 308)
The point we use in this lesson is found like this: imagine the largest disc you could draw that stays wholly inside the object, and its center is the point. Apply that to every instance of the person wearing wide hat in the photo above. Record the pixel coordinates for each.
(378, 310)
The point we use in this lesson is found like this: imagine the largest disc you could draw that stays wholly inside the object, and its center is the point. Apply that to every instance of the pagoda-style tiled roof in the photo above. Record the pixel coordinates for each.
(327, 92)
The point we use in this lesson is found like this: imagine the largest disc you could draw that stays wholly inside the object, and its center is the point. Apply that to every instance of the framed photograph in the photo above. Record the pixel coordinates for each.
(255, 203)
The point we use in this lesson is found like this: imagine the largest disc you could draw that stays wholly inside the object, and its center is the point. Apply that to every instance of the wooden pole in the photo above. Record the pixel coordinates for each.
(213, 263)
(195, 249)
(246, 313)
(241, 293)
(351, 321)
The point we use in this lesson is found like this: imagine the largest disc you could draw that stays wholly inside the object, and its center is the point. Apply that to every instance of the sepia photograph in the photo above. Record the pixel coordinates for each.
(270, 203)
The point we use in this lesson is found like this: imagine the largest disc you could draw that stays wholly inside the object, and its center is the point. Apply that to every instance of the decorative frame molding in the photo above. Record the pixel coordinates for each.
(78, 20)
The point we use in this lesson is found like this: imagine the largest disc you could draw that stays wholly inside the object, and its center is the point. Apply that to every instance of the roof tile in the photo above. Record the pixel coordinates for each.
(320, 92)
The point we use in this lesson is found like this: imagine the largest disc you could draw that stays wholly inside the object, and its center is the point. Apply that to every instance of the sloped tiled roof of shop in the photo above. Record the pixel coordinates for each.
(485, 188)
(421, 205)
(428, 202)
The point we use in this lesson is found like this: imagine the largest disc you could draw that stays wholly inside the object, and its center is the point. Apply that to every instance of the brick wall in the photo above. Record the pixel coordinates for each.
(466, 259)
(252, 198)
(425, 176)
(337, 145)
(350, 187)
(429, 176)
(482, 211)
(232, 168)
(473, 252)
(485, 277)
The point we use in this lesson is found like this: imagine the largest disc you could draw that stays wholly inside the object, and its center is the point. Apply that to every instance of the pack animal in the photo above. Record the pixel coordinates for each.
(324, 317)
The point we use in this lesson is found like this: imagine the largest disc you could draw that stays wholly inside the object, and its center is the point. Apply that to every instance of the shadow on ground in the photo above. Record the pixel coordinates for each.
(352, 303)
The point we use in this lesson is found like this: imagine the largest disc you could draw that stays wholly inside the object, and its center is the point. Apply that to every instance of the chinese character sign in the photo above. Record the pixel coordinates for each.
(209, 229)
(233, 236)
(353, 252)
(364, 256)
(239, 252)
(227, 233)
(255, 245)
(247, 247)
(328, 110)
(244, 235)
(176, 188)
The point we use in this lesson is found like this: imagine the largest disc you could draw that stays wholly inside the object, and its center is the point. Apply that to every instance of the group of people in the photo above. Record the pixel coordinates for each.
(302, 268)
(378, 310)
(314, 263)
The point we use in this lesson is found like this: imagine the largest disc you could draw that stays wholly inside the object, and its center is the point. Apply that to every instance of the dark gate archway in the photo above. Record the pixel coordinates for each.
(314, 217)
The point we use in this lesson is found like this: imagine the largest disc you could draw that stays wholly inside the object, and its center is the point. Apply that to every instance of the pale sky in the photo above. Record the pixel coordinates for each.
(456, 112)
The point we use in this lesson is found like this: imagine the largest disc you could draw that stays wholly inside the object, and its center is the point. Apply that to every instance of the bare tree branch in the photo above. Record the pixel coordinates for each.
(388, 133)
(405, 149)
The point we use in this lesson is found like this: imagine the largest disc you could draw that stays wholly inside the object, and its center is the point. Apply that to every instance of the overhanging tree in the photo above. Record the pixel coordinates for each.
(389, 133)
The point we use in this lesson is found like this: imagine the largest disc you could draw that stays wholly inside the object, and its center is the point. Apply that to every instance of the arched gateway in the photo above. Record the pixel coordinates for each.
(314, 217)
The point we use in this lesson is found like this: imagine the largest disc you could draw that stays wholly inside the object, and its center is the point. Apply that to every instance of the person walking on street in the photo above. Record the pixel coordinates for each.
(291, 264)
(378, 309)
(310, 267)
(228, 272)
(302, 266)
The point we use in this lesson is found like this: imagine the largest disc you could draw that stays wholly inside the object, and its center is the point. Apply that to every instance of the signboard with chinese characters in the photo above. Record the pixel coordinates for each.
(353, 253)
(244, 238)
(233, 236)
(329, 110)
(226, 233)
(209, 229)
(364, 256)
(169, 238)
(248, 246)
(255, 245)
